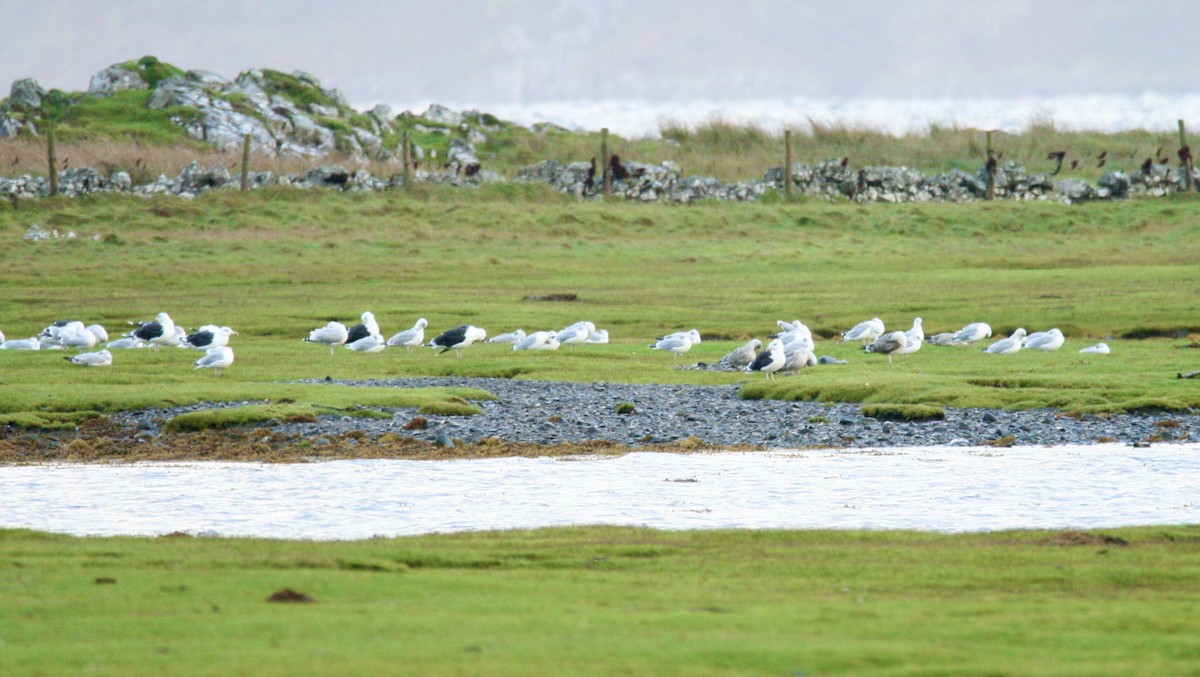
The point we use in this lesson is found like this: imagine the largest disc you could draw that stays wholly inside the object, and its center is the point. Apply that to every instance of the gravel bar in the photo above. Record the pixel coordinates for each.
(542, 412)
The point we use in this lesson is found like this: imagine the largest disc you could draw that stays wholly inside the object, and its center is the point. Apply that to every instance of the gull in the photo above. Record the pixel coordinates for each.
(125, 343)
(888, 343)
(692, 335)
(101, 358)
(795, 329)
(209, 336)
(797, 339)
(1007, 346)
(99, 332)
(49, 336)
(31, 343)
(1, 337)
(678, 343)
(371, 343)
(797, 357)
(576, 333)
(864, 331)
(740, 358)
(599, 336)
(367, 327)
(534, 341)
(946, 338)
(1044, 340)
(913, 339)
(1098, 349)
(75, 335)
(331, 335)
(458, 339)
(159, 331)
(178, 339)
(976, 331)
(513, 337)
(770, 360)
(410, 337)
(215, 359)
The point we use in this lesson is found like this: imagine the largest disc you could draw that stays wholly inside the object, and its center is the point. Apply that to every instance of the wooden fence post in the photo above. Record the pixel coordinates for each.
(605, 163)
(1185, 157)
(406, 157)
(53, 159)
(245, 163)
(787, 163)
(991, 169)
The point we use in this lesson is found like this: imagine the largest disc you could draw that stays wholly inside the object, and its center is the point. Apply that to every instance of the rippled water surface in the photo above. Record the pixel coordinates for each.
(941, 489)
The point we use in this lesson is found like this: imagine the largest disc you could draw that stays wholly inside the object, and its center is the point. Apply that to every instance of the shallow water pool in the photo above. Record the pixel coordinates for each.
(932, 489)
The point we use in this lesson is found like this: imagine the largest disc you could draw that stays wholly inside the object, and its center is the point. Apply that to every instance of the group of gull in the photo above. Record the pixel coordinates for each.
(789, 350)
(792, 348)
(159, 332)
(366, 337)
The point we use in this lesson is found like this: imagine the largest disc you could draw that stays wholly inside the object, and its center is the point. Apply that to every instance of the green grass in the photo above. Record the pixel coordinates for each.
(601, 601)
(275, 264)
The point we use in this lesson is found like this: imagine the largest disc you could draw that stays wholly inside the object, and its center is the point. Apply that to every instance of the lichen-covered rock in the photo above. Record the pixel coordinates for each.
(442, 115)
(25, 95)
(115, 79)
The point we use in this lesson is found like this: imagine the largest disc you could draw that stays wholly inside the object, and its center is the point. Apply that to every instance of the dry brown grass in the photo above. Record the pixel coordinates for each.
(718, 148)
(145, 162)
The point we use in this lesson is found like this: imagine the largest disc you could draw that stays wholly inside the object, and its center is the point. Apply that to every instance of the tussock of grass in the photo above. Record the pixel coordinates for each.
(228, 417)
(903, 412)
(448, 409)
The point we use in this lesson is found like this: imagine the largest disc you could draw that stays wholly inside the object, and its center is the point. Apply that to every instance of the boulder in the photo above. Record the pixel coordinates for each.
(442, 115)
(382, 116)
(179, 92)
(25, 95)
(9, 127)
(116, 79)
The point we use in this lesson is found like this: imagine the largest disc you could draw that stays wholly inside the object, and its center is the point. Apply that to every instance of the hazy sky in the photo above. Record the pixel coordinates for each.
(525, 52)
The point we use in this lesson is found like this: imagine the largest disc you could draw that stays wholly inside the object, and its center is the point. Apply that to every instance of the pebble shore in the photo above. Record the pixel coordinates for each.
(540, 412)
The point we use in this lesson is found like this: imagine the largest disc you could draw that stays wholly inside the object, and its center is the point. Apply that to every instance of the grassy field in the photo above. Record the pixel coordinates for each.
(274, 265)
(603, 601)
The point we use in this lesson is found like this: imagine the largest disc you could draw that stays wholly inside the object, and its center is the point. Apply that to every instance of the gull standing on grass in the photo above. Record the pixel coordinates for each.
(458, 339)
(678, 343)
(888, 343)
(410, 338)
(215, 359)
(914, 338)
(1007, 346)
(864, 331)
(331, 335)
(209, 336)
(101, 358)
(770, 360)
(367, 327)
(159, 331)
